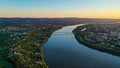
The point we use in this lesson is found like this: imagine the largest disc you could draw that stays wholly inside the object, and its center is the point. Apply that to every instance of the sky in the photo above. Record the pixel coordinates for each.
(60, 8)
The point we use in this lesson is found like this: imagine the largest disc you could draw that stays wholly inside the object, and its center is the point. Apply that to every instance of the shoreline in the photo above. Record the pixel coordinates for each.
(94, 46)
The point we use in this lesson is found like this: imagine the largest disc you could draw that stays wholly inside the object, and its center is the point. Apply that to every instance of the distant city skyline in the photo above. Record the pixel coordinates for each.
(60, 8)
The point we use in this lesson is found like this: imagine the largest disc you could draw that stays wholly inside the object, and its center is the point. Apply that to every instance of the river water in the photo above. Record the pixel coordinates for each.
(63, 51)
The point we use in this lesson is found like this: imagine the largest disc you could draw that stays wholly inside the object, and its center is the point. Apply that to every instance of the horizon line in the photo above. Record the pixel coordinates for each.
(62, 17)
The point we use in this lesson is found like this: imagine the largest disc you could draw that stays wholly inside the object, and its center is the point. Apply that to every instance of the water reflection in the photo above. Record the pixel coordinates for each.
(63, 51)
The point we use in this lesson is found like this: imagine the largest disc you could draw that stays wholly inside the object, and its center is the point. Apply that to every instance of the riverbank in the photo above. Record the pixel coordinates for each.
(79, 35)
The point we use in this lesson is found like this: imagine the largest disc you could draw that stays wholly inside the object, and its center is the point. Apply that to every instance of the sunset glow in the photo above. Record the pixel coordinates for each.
(60, 8)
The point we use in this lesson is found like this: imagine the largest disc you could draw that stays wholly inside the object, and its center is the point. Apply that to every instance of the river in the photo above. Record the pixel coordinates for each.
(63, 51)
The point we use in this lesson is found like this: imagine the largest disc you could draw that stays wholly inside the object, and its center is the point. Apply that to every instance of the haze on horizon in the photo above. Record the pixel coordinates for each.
(60, 8)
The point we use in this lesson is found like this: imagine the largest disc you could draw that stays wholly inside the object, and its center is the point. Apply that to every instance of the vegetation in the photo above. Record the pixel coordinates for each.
(25, 48)
(22, 39)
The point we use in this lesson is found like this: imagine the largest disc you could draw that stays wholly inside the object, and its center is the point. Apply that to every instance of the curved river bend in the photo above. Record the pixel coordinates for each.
(63, 51)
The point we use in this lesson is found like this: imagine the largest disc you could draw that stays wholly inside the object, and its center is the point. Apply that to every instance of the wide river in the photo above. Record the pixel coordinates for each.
(63, 51)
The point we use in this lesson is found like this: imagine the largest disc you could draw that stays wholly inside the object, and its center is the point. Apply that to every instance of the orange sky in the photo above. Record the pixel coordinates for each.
(60, 8)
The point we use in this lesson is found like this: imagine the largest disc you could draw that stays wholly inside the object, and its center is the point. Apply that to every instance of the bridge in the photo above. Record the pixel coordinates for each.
(59, 33)
(63, 33)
